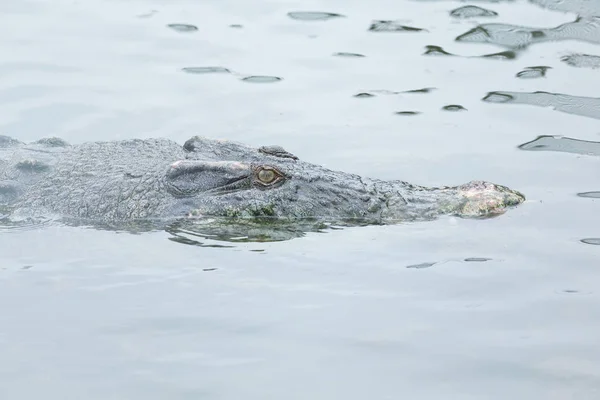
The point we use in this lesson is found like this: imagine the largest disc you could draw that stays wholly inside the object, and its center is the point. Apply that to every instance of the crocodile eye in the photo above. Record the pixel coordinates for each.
(268, 176)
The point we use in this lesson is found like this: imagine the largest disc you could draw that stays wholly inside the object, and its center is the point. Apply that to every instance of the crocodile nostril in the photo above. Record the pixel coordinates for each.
(513, 198)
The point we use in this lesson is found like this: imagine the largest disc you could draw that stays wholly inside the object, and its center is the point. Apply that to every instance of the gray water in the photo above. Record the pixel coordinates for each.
(503, 308)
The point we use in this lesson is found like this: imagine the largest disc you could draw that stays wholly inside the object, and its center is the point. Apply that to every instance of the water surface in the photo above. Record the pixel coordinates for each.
(463, 309)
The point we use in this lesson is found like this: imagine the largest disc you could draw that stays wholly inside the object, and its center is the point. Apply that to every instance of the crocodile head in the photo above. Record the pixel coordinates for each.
(221, 178)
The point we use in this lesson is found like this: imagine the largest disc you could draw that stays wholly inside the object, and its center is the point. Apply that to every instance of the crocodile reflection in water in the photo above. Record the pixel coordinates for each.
(159, 180)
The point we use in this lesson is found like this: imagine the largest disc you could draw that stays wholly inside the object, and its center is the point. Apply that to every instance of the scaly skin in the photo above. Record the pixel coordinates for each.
(157, 179)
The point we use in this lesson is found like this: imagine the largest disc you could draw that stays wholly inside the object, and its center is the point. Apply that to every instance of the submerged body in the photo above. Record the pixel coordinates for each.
(158, 179)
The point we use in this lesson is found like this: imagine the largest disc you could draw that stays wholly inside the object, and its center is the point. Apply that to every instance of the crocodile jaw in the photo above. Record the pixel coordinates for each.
(475, 199)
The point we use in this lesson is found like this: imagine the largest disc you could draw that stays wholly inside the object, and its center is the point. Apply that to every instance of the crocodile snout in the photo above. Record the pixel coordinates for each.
(488, 199)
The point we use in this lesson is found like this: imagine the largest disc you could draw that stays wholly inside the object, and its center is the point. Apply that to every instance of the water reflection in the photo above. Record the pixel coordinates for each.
(592, 241)
(430, 264)
(7, 224)
(204, 232)
(423, 90)
(472, 12)
(350, 55)
(563, 145)
(580, 60)
(183, 27)
(392, 26)
(371, 93)
(432, 50)
(579, 7)
(454, 107)
(533, 72)
(261, 79)
(409, 113)
(364, 95)
(578, 105)
(148, 14)
(312, 15)
(590, 195)
(517, 37)
(205, 70)
(222, 70)
(502, 55)
(213, 232)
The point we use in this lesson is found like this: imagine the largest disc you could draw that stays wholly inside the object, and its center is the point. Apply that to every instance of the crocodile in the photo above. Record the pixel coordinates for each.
(161, 180)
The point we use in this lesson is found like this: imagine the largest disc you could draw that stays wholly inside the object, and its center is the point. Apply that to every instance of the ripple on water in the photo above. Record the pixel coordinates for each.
(583, 29)
(590, 195)
(224, 233)
(533, 72)
(148, 14)
(7, 224)
(407, 113)
(392, 26)
(580, 7)
(571, 292)
(472, 12)
(501, 34)
(580, 60)
(205, 70)
(563, 145)
(261, 79)
(422, 90)
(313, 15)
(349, 55)
(498, 97)
(392, 92)
(421, 265)
(431, 264)
(592, 241)
(578, 105)
(385, 91)
(364, 95)
(432, 50)
(454, 107)
(503, 55)
(183, 27)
